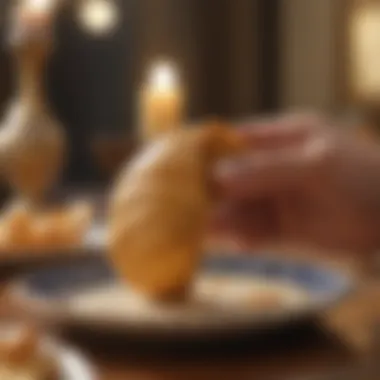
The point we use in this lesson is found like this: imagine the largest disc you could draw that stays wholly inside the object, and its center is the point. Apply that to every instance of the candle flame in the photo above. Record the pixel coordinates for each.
(163, 76)
(39, 5)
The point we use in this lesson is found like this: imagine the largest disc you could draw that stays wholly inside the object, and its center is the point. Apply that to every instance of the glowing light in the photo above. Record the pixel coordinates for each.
(163, 77)
(38, 6)
(365, 58)
(161, 104)
(99, 16)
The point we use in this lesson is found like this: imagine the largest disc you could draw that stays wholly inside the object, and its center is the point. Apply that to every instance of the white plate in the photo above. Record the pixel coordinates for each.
(73, 366)
(70, 363)
(226, 295)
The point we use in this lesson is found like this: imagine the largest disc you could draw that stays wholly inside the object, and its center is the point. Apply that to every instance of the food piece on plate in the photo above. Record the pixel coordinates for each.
(159, 209)
(78, 222)
(65, 227)
(47, 231)
(16, 229)
(20, 346)
(23, 356)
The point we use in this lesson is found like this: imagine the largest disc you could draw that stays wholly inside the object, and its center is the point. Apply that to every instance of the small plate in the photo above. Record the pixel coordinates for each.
(72, 365)
(230, 292)
(94, 243)
(69, 363)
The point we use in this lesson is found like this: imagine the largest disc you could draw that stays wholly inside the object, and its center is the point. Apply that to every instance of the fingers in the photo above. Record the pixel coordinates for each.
(287, 155)
(285, 151)
(266, 172)
(280, 132)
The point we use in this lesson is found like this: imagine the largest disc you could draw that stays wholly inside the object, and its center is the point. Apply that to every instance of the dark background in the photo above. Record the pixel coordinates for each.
(91, 82)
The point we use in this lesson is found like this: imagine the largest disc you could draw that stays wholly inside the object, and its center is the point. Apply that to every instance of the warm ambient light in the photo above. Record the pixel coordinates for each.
(32, 17)
(161, 101)
(38, 5)
(163, 77)
(365, 57)
(99, 16)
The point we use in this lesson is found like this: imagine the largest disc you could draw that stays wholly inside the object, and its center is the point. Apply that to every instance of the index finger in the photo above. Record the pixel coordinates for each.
(262, 172)
(280, 132)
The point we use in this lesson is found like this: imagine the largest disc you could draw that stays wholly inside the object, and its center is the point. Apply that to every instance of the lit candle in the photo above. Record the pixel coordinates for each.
(161, 102)
(38, 5)
(37, 8)
(31, 20)
(36, 12)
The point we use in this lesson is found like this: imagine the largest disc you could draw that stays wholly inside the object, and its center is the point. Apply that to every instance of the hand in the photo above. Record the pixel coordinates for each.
(302, 181)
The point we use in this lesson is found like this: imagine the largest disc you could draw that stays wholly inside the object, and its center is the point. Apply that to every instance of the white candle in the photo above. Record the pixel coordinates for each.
(36, 12)
(30, 19)
(161, 101)
(38, 5)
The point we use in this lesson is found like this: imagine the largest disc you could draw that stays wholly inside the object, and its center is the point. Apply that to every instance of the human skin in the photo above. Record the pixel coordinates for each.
(301, 181)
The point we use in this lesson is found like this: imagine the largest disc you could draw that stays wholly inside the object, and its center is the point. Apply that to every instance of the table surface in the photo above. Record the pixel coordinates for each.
(343, 339)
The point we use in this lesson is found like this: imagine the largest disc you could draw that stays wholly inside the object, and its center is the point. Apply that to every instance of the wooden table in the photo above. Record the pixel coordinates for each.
(347, 344)
(343, 339)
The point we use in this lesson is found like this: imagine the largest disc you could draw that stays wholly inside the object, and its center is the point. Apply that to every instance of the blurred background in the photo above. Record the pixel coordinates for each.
(234, 59)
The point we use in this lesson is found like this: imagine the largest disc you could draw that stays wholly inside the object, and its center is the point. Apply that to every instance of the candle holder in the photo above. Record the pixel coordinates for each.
(32, 142)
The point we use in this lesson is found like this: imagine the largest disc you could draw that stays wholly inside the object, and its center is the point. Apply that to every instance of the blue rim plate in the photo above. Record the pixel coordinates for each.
(51, 294)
